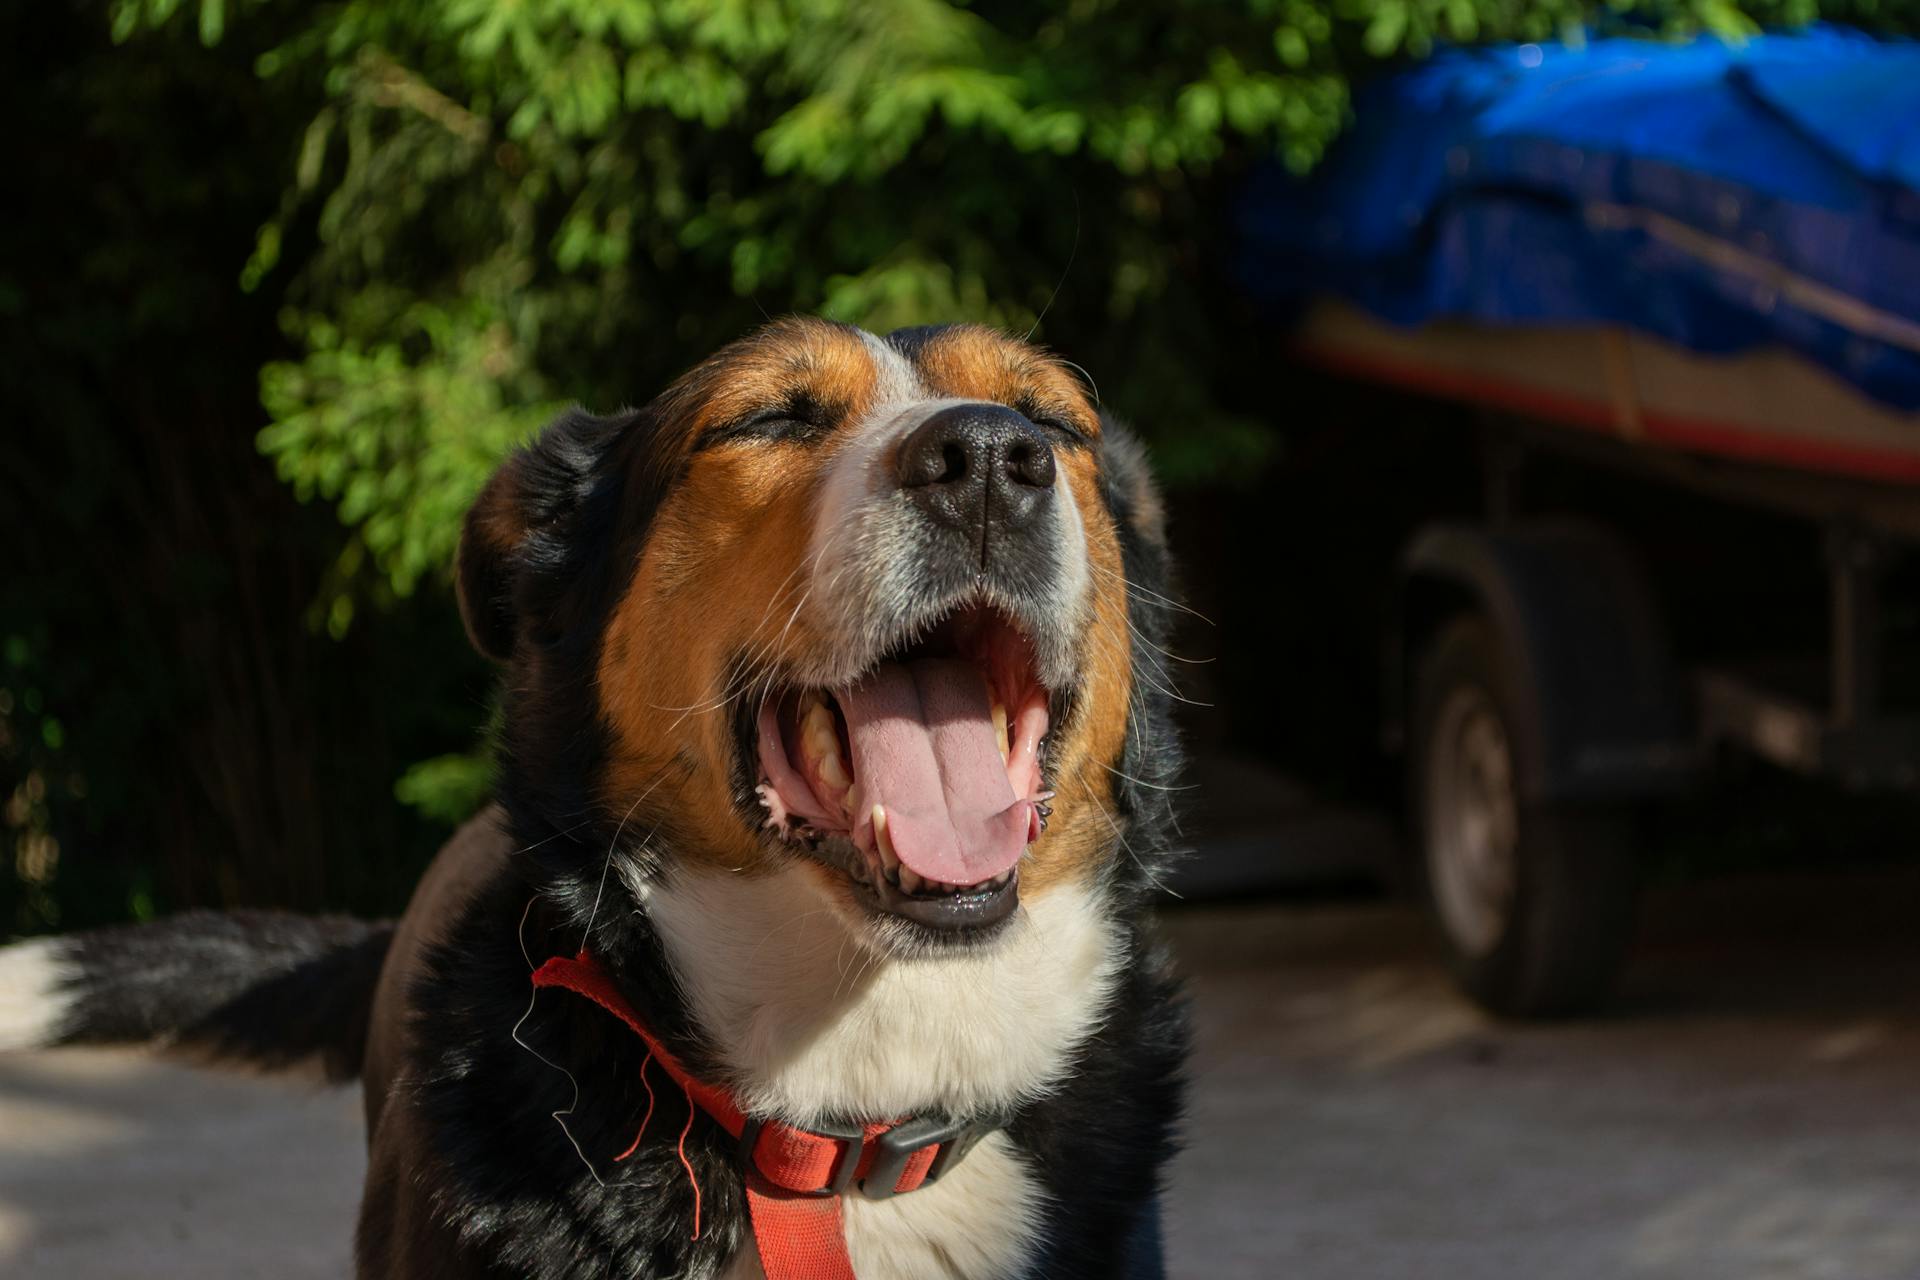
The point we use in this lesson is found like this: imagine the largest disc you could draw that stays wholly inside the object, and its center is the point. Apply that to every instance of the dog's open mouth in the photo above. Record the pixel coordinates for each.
(922, 779)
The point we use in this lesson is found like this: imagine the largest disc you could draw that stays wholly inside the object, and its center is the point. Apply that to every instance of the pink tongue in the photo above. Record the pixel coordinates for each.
(924, 746)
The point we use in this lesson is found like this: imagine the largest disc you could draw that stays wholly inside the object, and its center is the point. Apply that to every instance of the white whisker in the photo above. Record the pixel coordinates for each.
(1151, 786)
(1138, 861)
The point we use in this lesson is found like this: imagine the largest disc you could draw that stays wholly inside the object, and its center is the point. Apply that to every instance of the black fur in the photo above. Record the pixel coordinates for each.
(527, 1204)
(1152, 758)
(261, 987)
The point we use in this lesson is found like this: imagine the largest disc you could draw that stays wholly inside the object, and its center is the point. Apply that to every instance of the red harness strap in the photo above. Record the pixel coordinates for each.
(795, 1177)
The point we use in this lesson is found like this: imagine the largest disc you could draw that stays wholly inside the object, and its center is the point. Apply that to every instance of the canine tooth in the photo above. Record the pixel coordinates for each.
(888, 858)
(1000, 732)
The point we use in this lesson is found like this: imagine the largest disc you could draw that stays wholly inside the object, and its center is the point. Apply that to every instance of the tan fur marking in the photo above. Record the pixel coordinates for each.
(498, 518)
(1084, 823)
(827, 365)
(722, 576)
(969, 362)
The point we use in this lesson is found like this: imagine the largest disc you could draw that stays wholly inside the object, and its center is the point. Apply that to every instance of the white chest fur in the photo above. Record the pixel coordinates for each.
(813, 1023)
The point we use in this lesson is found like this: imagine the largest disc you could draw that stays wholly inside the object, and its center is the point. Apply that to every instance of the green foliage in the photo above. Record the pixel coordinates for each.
(347, 421)
(503, 206)
(446, 788)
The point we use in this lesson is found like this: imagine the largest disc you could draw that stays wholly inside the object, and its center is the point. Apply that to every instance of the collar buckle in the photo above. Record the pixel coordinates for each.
(898, 1145)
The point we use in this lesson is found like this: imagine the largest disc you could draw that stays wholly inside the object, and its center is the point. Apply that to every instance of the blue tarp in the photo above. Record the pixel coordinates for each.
(1717, 195)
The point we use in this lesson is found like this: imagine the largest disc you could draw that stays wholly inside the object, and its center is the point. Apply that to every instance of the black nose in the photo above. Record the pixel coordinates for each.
(979, 468)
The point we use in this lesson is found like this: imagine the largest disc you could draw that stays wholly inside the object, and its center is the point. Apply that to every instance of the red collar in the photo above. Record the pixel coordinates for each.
(795, 1177)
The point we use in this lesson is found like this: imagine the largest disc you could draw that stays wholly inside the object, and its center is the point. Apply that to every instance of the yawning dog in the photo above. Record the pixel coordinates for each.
(807, 935)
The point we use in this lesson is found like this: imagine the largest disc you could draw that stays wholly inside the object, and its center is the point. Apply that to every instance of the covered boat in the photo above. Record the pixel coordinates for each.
(1709, 246)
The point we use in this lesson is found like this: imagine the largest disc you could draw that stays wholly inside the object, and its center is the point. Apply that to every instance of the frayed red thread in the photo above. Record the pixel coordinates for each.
(681, 1147)
(646, 1119)
(687, 1164)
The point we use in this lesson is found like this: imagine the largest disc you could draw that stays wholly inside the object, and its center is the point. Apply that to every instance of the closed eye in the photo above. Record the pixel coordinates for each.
(1051, 420)
(798, 421)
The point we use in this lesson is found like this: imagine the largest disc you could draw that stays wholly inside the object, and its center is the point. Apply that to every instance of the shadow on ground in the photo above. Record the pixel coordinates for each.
(1748, 1111)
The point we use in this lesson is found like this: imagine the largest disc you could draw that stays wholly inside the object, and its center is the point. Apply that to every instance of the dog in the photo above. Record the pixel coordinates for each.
(808, 932)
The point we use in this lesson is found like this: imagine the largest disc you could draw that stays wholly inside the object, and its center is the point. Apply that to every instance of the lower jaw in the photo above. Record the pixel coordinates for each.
(966, 916)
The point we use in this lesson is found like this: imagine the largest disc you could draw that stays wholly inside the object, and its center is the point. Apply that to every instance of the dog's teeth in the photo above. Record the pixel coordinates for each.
(909, 882)
(1000, 732)
(816, 725)
(820, 744)
(888, 858)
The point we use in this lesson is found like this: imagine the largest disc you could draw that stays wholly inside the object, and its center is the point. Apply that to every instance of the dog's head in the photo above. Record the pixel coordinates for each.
(855, 601)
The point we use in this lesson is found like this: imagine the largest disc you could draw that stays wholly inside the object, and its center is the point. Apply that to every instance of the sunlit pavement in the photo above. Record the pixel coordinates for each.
(1751, 1110)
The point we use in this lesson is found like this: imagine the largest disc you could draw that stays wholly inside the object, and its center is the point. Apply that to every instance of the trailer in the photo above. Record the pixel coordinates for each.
(1698, 265)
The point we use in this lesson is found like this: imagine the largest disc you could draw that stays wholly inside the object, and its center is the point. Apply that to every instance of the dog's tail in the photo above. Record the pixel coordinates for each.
(260, 987)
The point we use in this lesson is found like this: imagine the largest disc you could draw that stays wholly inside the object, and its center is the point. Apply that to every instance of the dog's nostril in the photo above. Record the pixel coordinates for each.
(1030, 462)
(935, 457)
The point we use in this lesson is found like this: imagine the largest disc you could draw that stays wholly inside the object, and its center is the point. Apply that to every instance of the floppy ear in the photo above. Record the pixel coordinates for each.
(1127, 484)
(490, 541)
(1150, 764)
(543, 537)
(1131, 493)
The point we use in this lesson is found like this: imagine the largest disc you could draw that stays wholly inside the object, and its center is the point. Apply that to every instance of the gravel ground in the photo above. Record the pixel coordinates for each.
(1751, 1109)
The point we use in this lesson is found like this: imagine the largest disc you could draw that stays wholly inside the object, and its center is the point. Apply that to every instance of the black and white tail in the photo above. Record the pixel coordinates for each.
(261, 987)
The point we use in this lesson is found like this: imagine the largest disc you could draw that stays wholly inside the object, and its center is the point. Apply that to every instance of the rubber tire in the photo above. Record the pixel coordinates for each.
(1566, 932)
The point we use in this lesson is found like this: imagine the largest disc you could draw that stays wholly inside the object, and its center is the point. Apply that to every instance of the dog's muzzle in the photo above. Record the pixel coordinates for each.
(985, 475)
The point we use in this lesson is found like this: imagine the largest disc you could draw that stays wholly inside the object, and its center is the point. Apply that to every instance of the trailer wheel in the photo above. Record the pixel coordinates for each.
(1533, 902)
